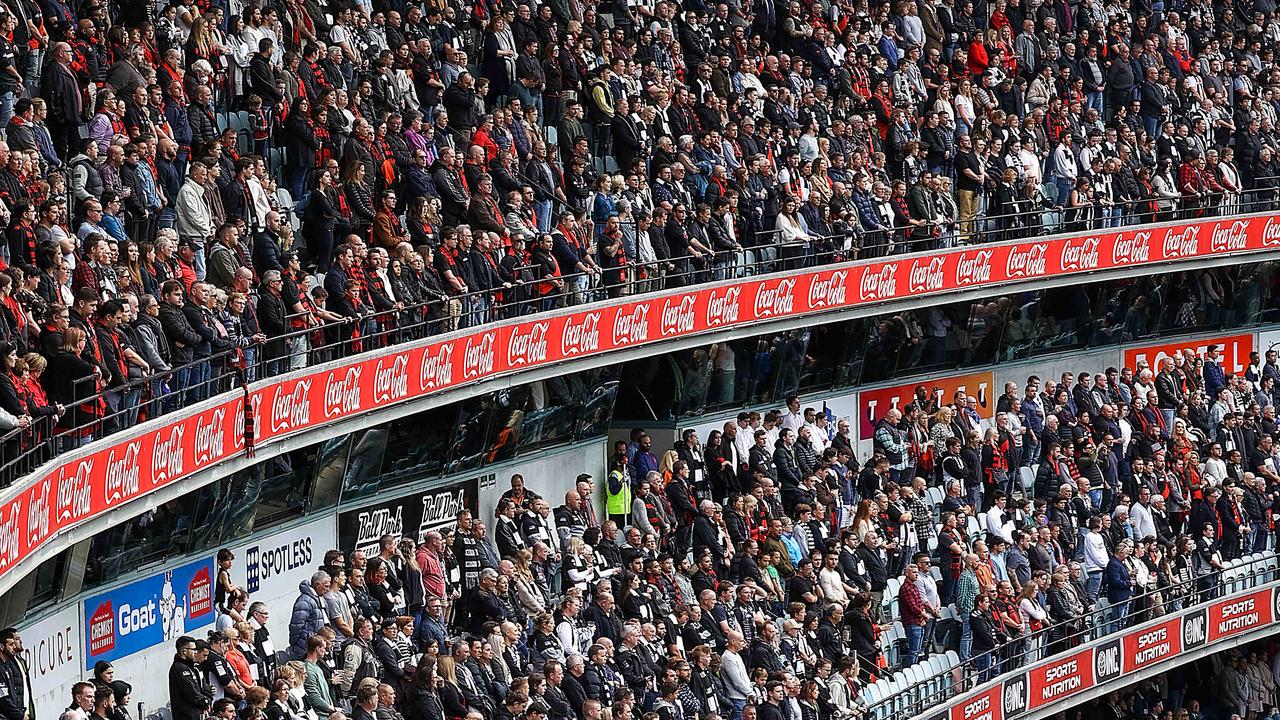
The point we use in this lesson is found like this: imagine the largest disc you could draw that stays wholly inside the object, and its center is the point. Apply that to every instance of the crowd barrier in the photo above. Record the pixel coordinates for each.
(1249, 606)
(90, 481)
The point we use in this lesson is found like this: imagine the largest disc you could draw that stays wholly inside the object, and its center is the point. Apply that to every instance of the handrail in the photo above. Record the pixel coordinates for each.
(51, 436)
(86, 482)
(1028, 651)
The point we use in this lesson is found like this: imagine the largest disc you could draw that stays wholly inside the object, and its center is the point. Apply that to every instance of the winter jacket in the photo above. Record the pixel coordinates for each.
(307, 619)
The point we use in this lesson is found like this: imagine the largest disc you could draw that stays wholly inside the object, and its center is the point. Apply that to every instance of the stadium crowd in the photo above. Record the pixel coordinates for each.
(764, 572)
(195, 189)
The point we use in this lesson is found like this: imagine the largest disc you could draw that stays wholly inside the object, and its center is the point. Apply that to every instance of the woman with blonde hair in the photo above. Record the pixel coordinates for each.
(666, 465)
(295, 673)
(203, 44)
(941, 430)
(544, 644)
(820, 185)
(451, 697)
(524, 585)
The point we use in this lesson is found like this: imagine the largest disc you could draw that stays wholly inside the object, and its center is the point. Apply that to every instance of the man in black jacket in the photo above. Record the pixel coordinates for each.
(262, 76)
(14, 681)
(200, 318)
(384, 649)
(982, 627)
(605, 615)
(189, 696)
(706, 533)
(61, 91)
(571, 683)
(771, 709)
(876, 561)
(558, 707)
(182, 338)
(273, 320)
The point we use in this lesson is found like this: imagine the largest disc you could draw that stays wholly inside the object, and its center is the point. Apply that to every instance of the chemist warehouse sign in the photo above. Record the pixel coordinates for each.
(1066, 675)
(148, 612)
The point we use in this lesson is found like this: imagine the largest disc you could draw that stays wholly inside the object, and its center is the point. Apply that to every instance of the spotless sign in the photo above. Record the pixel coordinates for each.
(148, 612)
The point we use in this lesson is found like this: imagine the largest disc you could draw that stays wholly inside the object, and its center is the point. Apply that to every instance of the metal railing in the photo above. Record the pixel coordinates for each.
(106, 410)
(1063, 637)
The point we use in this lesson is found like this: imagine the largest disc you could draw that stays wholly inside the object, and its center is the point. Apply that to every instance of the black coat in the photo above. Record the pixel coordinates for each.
(66, 381)
(189, 697)
(61, 92)
(178, 331)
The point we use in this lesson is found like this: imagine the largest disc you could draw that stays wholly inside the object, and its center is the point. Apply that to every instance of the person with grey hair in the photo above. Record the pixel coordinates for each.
(482, 605)
(707, 533)
(308, 613)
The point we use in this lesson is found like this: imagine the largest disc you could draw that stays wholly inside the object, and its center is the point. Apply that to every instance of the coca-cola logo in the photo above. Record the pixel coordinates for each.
(1131, 250)
(926, 275)
(437, 368)
(581, 335)
(1080, 254)
(879, 283)
(477, 356)
(631, 327)
(975, 268)
(166, 454)
(1182, 243)
(678, 315)
(75, 492)
(1271, 233)
(775, 300)
(39, 513)
(1229, 236)
(1026, 261)
(528, 347)
(342, 392)
(210, 437)
(122, 471)
(391, 379)
(10, 533)
(723, 309)
(828, 292)
(292, 410)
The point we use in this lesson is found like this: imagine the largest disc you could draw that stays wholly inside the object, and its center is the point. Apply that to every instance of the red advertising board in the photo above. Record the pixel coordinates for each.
(986, 705)
(1060, 678)
(80, 487)
(873, 404)
(116, 473)
(1239, 614)
(1152, 645)
(1235, 351)
(1146, 646)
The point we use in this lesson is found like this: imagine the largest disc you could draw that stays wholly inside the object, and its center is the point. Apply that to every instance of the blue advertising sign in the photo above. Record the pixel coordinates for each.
(148, 612)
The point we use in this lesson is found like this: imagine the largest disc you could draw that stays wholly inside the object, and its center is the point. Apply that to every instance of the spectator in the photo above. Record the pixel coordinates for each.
(189, 697)
(308, 613)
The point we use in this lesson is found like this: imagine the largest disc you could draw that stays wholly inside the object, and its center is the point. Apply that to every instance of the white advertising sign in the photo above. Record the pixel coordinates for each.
(52, 648)
(270, 568)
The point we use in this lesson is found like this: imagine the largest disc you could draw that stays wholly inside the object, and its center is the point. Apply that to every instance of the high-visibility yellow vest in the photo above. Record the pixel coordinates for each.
(618, 503)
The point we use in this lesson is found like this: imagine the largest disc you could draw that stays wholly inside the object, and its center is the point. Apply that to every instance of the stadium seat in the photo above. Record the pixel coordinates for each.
(1027, 477)
(933, 496)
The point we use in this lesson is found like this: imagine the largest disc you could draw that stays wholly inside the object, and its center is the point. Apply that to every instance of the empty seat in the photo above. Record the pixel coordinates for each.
(891, 591)
(1028, 478)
